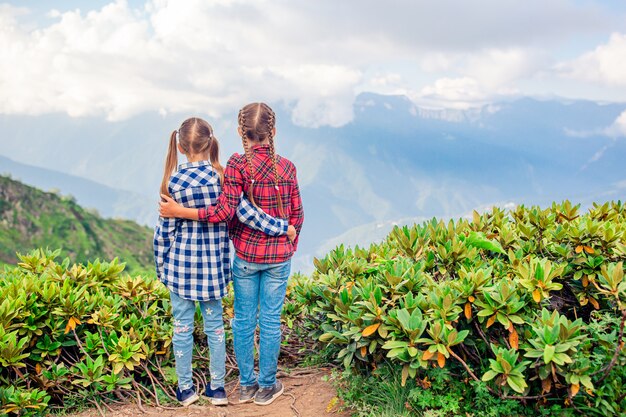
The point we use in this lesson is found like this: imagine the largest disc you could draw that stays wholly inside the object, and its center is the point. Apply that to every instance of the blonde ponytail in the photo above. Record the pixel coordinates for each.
(214, 157)
(171, 161)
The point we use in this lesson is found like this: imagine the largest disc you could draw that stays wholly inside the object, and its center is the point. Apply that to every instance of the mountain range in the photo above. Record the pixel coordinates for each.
(394, 163)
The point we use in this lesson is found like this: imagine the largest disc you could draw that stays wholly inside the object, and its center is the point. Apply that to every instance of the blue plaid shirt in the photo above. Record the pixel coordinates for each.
(192, 258)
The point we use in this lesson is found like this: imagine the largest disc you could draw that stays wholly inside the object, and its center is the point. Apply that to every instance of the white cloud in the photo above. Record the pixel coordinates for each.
(80, 65)
(598, 155)
(438, 61)
(604, 65)
(453, 93)
(453, 26)
(324, 93)
(615, 130)
(386, 80)
(170, 57)
(483, 76)
(497, 68)
(618, 128)
(212, 57)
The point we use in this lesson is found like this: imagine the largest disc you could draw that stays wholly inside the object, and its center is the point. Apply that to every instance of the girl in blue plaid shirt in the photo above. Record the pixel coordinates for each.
(192, 258)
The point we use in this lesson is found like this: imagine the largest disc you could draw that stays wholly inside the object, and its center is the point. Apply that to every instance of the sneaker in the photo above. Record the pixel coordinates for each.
(246, 394)
(217, 396)
(266, 396)
(186, 397)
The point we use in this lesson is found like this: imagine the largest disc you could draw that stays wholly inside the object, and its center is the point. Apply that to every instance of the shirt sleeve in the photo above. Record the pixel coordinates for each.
(226, 205)
(164, 235)
(296, 219)
(257, 219)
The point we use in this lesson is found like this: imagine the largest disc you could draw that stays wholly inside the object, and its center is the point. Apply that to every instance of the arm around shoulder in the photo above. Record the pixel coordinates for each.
(296, 219)
(226, 206)
(169, 208)
(258, 219)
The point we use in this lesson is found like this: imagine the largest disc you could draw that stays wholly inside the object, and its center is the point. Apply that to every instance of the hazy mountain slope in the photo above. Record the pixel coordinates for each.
(30, 218)
(109, 202)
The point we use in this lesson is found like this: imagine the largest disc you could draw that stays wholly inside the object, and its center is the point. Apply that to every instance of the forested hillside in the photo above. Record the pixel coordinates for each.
(30, 218)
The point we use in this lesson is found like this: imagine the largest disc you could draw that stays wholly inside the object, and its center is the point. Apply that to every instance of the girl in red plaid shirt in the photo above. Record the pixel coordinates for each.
(262, 263)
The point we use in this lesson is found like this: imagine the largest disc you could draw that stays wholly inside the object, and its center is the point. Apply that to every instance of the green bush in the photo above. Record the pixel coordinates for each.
(76, 335)
(518, 313)
(73, 332)
(529, 303)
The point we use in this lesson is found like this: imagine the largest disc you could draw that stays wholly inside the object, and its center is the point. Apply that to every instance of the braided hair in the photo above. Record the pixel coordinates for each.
(257, 122)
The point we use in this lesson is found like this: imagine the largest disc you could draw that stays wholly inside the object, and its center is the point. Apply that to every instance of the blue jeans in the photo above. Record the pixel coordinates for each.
(259, 297)
(183, 312)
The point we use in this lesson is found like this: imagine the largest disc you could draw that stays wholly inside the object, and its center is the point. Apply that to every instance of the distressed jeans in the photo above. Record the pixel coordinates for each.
(259, 297)
(183, 312)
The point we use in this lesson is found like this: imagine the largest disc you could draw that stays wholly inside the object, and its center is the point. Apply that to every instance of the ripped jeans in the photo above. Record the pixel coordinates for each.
(183, 312)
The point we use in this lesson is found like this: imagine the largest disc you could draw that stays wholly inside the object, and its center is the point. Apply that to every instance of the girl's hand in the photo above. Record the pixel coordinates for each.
(291, 233)
(168, 207)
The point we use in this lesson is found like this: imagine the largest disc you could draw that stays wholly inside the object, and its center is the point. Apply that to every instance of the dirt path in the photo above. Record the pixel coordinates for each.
(306, 396)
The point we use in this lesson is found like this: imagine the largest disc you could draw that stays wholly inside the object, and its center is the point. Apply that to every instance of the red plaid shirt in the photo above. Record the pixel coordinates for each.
(252, 245)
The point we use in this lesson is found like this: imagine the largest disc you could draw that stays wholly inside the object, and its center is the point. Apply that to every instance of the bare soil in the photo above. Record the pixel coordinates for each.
(305, 396)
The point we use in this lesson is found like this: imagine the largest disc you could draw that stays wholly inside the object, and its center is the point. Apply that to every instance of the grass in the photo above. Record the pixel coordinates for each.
(379, 394)
(435, 393)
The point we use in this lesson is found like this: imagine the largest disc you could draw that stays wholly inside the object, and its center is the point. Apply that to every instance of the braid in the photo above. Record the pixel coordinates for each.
(246, 148)
(275, 172)
(257, 121)
(269, 125)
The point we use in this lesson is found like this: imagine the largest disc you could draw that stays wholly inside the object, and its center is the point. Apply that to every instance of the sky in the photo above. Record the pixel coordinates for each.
(119, 59)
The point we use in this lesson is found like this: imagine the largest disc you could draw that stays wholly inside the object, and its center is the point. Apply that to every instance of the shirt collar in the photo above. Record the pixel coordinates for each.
(193, 164)
(265, 148)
